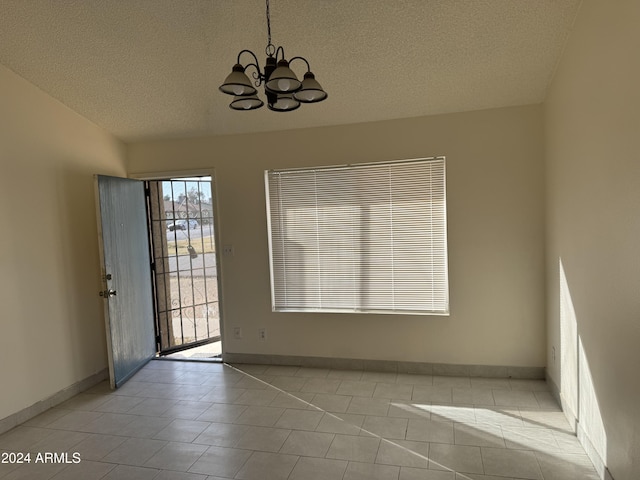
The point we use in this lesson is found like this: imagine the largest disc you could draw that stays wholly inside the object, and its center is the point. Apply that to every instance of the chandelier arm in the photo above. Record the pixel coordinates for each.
(257, 75)
(249, 52)
(303, 59)
(280, 50)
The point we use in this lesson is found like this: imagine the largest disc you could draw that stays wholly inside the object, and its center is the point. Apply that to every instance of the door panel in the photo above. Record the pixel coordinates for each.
(124, 252)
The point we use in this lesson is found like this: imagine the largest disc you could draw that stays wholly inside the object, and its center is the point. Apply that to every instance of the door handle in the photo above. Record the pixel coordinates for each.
(108, 293)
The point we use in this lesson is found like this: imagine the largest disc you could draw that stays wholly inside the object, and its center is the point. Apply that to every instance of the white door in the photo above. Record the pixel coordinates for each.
(126, 274)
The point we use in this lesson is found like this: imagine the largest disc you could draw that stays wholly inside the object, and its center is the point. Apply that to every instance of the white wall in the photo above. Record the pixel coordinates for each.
(51, 321)
(592, 125)
(496, 238)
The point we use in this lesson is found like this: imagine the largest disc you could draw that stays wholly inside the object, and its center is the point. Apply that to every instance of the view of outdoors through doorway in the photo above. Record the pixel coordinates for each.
(185, 269)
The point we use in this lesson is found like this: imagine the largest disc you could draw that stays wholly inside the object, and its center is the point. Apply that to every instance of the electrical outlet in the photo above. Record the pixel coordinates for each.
(262, 333)
(553, 355)
(237, 333)
(227, 250)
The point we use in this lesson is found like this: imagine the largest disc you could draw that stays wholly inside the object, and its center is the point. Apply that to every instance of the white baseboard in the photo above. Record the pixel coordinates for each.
(37, 408)
(590, 450)
(444, 369)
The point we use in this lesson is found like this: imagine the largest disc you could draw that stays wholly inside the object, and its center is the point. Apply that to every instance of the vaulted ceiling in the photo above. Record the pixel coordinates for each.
(149, 69)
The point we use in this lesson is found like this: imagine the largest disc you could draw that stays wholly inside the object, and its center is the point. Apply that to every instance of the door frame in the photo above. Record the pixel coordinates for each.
(178, 174)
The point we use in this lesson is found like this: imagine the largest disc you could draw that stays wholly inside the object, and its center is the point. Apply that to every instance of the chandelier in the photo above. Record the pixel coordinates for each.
(283, 90)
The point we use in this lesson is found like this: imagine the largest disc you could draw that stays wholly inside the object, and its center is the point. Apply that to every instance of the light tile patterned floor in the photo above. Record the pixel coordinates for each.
(209, 421)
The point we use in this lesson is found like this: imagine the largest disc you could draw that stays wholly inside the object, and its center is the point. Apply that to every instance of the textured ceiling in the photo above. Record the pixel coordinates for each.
(147, 69)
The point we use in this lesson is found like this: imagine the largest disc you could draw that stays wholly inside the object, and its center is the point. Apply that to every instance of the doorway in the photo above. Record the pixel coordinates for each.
(185, 277)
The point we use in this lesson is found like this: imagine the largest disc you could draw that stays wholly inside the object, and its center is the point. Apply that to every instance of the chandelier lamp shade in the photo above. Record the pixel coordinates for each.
(283, 90)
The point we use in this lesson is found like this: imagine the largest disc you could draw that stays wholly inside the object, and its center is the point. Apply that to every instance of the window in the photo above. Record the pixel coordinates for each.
(359, 238)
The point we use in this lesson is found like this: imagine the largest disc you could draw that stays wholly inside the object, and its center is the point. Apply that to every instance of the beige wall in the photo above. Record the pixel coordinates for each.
(592, 120)
(51, 327)
(495, 209)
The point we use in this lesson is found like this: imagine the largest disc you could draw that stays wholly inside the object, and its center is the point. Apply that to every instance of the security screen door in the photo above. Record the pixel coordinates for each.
(184, 262)
(126, 276)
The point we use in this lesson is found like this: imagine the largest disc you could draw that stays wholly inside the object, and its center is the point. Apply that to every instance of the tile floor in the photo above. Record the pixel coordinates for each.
(209, 421)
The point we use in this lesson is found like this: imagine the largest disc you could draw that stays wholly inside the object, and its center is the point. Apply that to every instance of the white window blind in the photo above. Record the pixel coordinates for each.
(363, 238)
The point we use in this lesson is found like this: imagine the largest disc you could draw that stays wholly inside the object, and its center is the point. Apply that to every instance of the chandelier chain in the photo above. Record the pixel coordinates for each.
(268, 25)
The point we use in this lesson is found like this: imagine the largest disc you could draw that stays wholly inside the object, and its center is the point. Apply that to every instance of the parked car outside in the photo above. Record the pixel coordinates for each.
(182, 225)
